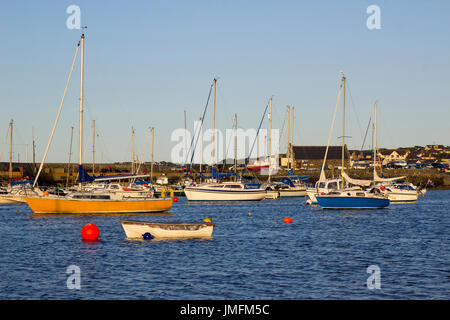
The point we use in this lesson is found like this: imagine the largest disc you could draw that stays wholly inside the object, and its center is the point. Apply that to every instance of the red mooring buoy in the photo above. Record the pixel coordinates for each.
(287, 220)
(175, 199)
(90, 232)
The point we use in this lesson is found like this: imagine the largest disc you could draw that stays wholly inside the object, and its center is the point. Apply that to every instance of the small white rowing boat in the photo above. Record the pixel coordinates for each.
(147, 230)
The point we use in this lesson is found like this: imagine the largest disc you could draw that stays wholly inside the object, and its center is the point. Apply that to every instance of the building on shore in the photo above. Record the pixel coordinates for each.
(311, 157)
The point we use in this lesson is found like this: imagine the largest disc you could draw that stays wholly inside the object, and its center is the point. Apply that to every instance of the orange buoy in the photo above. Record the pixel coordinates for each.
(287, 220)
(175, 199)
(90, 232)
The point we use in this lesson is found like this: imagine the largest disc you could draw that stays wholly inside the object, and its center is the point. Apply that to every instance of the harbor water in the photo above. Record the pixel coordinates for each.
(322, 254)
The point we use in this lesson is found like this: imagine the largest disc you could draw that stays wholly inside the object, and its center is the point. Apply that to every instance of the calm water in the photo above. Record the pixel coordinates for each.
(321, 255)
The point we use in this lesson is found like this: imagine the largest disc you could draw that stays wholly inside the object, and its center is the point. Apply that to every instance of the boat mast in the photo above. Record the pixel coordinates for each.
(375, 143)
(270, 132)
(201, 143)
(185, 136)
(343, 130)
(132, 150)
(10, 149)
(288, 155)
(292, 140)
(70, 159)
(34, 152)
(153, 159)
(93, 147)
(80, 150)
(235, 147)
(214, 126)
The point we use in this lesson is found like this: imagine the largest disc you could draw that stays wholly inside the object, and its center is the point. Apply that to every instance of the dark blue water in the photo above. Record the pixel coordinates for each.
(320, 255)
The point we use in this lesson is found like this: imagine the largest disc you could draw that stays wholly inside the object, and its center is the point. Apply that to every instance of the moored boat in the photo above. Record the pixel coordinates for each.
(139, 230)
(353, 199)
(100, 199)
(225, 191)
(79, 202)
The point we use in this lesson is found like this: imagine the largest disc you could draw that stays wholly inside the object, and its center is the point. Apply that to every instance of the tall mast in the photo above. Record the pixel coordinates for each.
(153, 159)
(214, 126)
(235, 147)
(93, 146)
(343, 130)
(70, 159)
(132, 150)
(34, 152)
(10, 149)
(375, 144)
(270, 132)
(288, 155)
(201, 143)
(80, 151)
(292, 139)
(185, 135)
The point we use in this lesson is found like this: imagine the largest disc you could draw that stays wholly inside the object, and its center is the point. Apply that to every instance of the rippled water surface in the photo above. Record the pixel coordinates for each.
(320, 255)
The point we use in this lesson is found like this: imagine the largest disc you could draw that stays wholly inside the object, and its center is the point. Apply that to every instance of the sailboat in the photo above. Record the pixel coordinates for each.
(395, 190)
(82, 201)
(17, 188)
(351, 198)
(223, 191)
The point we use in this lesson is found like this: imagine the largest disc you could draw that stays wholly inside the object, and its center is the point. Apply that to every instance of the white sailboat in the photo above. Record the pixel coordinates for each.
(223, 191)
(16, 189)
(396, 191)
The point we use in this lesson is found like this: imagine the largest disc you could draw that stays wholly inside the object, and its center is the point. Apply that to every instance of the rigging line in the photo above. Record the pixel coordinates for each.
(229, 142)
(57, 116)
(199, 129)
(282, 129)
(365, 136)
(354, 109)
(257, 133)
(322, 171)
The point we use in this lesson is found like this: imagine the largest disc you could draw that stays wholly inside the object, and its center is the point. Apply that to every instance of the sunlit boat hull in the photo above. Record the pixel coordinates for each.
(136, 230)
(293, 192)
(63, 205)
(402, 196)
(204, 194)
(7, 200)
(311, 193)
(342, 202)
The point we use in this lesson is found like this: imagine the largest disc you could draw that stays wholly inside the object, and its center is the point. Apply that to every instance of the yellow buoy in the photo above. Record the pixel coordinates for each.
(207, 220)
(249, 214)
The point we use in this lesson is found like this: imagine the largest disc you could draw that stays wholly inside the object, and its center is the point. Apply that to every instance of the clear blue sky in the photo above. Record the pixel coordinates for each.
(148, 61)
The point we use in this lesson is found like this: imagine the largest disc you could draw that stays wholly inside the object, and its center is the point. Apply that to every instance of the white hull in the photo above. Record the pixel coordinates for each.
(272, 195)
(136, 230)
(13, 199)
(204, 194)
(292, 193)
(311, 193)
(402, 197)
(7, 200)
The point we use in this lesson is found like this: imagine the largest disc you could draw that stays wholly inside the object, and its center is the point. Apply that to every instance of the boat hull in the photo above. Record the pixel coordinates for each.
(339, 202)
(7, 200)
(62, 205)
(198, 194)
(311, 193)
(272, 194)
(136, 230)
(403, 197)
(293, 193)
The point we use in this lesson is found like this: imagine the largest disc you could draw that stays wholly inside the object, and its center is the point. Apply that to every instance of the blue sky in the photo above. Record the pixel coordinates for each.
(148, 61)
